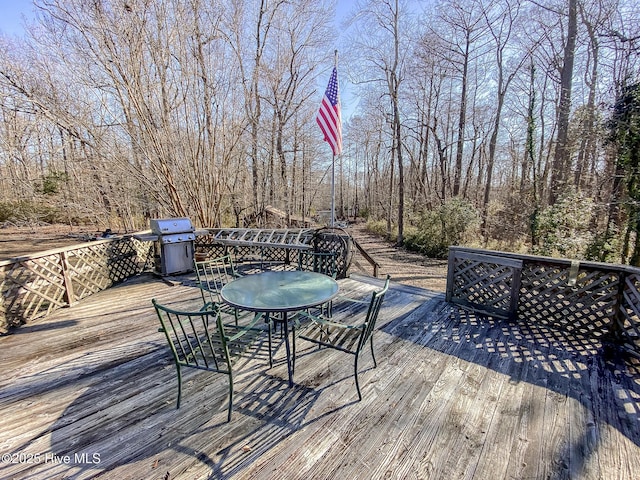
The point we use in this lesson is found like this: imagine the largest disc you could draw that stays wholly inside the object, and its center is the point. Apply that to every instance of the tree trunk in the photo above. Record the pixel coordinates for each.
(561, 161)
(457, 174)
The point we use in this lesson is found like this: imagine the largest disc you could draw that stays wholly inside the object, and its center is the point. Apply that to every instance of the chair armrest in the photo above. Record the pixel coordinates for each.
(207, 307)
(240, 331)
(329, 323)
(339, 298)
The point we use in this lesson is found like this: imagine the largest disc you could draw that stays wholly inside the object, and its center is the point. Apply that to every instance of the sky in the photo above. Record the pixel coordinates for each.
(13, 13)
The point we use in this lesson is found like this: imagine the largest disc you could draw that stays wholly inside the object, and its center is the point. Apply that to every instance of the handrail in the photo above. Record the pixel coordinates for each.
(367, 257)
(53, 251)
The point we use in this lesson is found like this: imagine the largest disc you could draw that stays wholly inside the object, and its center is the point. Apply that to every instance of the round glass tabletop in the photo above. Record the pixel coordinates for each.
(279, 291)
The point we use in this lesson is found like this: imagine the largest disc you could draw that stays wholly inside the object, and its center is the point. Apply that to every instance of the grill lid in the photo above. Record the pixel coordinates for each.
(165, 226)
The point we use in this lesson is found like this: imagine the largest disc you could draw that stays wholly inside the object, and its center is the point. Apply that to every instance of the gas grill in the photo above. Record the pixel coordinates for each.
(174, 239)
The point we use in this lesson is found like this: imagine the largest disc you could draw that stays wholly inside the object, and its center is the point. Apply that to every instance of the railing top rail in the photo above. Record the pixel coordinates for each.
(55, 251)
(540, 259)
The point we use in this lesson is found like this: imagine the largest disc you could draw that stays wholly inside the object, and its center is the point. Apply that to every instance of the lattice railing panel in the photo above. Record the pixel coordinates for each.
(145, 252)
(584, 305)
(276, 245)
(279, 255)
(630, 312)
(34, 286)
(580, 300)
(99, 266)
(338, 241)
(207, 244)
(31, 288)
(245, 253)
(484, 283)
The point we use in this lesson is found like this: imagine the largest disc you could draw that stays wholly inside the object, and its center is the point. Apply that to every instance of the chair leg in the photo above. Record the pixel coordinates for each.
(293, 345)
(269, 326)
(179, 385)
(375, 364)
(230, 396)
(355, 371)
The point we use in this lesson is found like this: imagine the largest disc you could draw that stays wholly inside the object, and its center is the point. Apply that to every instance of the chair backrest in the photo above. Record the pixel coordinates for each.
(320, 262)
(214, 274)
(374, 309)
(196, 339)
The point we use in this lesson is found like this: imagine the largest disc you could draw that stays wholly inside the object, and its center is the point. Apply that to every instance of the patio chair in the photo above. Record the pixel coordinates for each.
(212, 275)
(201, 340)
(321, 262)
(348, 337)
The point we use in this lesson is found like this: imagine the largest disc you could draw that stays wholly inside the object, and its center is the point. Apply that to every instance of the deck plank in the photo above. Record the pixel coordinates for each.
(455, 395)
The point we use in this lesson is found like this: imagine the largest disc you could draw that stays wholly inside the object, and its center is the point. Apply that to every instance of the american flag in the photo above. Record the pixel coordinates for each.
(329, 118)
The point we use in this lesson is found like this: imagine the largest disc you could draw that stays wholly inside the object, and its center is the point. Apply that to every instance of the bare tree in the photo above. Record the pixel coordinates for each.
(460, 29)
(560, 170)
(500, 22)
(381, 40)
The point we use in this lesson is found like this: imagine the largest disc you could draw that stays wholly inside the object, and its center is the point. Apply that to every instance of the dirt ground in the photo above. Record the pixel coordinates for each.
(19, 241)
(405, 267)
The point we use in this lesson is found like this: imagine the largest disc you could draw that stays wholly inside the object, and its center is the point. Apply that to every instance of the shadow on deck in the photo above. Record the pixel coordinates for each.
(91, 391)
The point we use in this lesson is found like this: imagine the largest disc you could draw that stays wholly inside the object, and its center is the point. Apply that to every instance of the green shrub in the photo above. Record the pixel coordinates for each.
(437, 230)
(564, 229)
(379, 227)
(52, 182)
(605, 247)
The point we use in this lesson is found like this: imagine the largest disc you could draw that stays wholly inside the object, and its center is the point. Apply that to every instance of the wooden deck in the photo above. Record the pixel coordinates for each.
(90, 392)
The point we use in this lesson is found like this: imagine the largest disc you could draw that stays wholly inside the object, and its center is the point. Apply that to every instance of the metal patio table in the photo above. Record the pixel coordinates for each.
(283, 292)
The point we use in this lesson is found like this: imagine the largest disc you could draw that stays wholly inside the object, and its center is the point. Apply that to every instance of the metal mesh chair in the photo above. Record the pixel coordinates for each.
(212, 275)
(201, 340)
(320, 262)
(349, 337)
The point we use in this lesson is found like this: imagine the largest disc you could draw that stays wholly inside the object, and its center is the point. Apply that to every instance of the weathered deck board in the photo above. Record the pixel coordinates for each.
(454, 396)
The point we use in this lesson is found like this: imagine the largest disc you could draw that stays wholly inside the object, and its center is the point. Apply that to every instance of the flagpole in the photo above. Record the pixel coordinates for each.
(333, 191)
(333, 164)
(330, 122)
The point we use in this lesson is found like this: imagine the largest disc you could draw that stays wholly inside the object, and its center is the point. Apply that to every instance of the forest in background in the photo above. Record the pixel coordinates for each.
(507, 124)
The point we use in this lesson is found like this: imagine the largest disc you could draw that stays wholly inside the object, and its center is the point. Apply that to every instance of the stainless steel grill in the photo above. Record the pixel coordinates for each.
(174, 239)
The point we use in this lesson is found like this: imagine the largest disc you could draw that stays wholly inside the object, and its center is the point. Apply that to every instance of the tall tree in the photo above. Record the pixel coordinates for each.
(561, 161)
(460, 27)
(500, 24)
(624, 135)
(381, 41)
